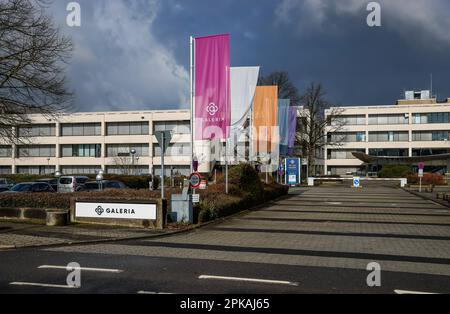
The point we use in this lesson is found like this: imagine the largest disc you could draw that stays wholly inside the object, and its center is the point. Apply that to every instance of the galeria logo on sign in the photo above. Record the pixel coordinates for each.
(124, 211)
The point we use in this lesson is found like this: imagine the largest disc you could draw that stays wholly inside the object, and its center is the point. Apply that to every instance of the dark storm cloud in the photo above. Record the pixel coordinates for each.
(134, 54)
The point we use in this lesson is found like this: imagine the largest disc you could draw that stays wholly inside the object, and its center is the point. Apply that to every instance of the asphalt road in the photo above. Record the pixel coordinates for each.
(319, 240)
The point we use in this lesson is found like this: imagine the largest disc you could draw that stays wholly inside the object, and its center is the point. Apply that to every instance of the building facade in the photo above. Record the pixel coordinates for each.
(416, 126)
(83, 143)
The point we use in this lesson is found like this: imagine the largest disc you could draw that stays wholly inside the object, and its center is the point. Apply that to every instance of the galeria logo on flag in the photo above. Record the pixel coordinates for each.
(212, 109)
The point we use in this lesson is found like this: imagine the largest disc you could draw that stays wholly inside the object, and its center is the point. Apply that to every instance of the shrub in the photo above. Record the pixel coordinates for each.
(394, 171)
(428, 178)
(245, 191)
(246, 178)
(62, 200)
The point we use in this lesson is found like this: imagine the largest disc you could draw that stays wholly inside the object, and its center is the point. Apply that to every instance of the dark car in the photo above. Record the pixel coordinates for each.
(53, 182)
(31, 187)
(106, 184)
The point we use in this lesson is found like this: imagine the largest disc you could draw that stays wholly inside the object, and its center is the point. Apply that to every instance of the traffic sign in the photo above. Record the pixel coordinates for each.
(420, 173)
(203, 185)
(164, 138)
(195, 179)
(421, 165)
(356, 182)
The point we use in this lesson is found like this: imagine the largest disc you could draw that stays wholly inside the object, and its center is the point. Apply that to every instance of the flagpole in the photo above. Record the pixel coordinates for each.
(191, 87)
(226, 166)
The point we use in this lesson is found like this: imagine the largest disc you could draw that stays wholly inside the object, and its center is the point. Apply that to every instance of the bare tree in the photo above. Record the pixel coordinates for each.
(33, 59)
(125, 165)
(313, 125)
(286, 89)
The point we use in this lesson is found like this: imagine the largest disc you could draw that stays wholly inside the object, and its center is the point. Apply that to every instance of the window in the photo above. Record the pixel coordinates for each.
(127, 128)
(83, 150)
(387, 152)
(347, 137)
(73, 170)
(128, 170)
(38, 170)
(174, 170)
(434, 117)
(440, 136)
(177, 127)
(389, 136)
(5, 170)
(38, 130)
(118, 150)
(5, 151)
(36, 151)
(430, 151)
(343, 153)
(178, 149)
(81, 129)
(388, 119)
(425, 136)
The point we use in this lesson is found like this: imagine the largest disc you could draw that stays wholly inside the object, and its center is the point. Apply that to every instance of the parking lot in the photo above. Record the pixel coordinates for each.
(318, 240)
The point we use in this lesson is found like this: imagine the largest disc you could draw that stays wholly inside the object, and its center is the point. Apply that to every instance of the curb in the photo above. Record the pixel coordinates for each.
(438, 202)
(154, 236)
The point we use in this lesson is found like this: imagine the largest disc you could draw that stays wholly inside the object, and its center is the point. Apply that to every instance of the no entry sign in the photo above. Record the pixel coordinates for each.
(195, 179)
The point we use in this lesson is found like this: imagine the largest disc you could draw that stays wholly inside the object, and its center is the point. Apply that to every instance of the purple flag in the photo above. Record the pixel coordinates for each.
(292, 124)
(212, 87)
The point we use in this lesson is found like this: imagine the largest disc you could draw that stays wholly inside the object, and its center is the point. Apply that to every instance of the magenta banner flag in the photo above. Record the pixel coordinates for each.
(212, 87)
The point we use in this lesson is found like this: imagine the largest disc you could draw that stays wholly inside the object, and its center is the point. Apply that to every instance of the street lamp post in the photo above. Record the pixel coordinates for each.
(133, 154)
(99, 179)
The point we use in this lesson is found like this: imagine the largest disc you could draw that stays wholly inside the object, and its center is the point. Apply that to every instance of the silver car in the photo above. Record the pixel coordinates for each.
(71, 184)
(5, 184)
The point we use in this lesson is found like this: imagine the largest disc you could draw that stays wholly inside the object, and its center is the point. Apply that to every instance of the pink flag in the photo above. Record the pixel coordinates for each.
(212, 87)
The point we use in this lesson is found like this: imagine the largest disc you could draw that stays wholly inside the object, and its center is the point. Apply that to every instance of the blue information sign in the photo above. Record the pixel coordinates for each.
(293, 168)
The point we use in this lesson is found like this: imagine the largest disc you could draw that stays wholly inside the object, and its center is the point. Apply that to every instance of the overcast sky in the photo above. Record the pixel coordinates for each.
(134, 54)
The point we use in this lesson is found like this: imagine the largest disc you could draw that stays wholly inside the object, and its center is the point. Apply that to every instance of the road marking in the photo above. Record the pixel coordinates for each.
(150, 292)
(42, 285)
(412, 292)
(278, 282)
(104, 270)
(333, 203)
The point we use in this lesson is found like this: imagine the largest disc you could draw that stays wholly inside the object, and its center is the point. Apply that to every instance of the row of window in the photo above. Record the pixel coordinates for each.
(389, 152)
(343, 153)
(87, 170)
(95, 150)
(95, 129)
(386, 119)
(388, 136)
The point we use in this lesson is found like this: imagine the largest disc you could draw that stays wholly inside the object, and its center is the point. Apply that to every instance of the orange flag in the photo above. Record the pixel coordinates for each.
(265, 118)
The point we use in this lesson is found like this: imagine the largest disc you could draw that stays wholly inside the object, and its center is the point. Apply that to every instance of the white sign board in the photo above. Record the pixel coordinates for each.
(420, 173)
(356, 182)
(195, 198)
(292, 179)
(115, 211)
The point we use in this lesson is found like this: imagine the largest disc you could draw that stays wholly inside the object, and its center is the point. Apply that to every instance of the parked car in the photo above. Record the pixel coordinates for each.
(53, 182)
(71, 184)
(31, 187)
(106, 184)
(5, 184)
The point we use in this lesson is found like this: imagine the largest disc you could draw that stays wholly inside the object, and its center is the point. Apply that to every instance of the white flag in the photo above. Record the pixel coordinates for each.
(243, 82)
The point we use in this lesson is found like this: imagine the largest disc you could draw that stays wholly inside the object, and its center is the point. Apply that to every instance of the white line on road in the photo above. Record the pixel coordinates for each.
(411, 292)
(150, 292)
(104, 270)
(42, 285)
(278, 282)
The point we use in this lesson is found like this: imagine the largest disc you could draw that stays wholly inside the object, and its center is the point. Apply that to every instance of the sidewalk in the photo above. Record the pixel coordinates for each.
(428, 196)
(20, 235)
